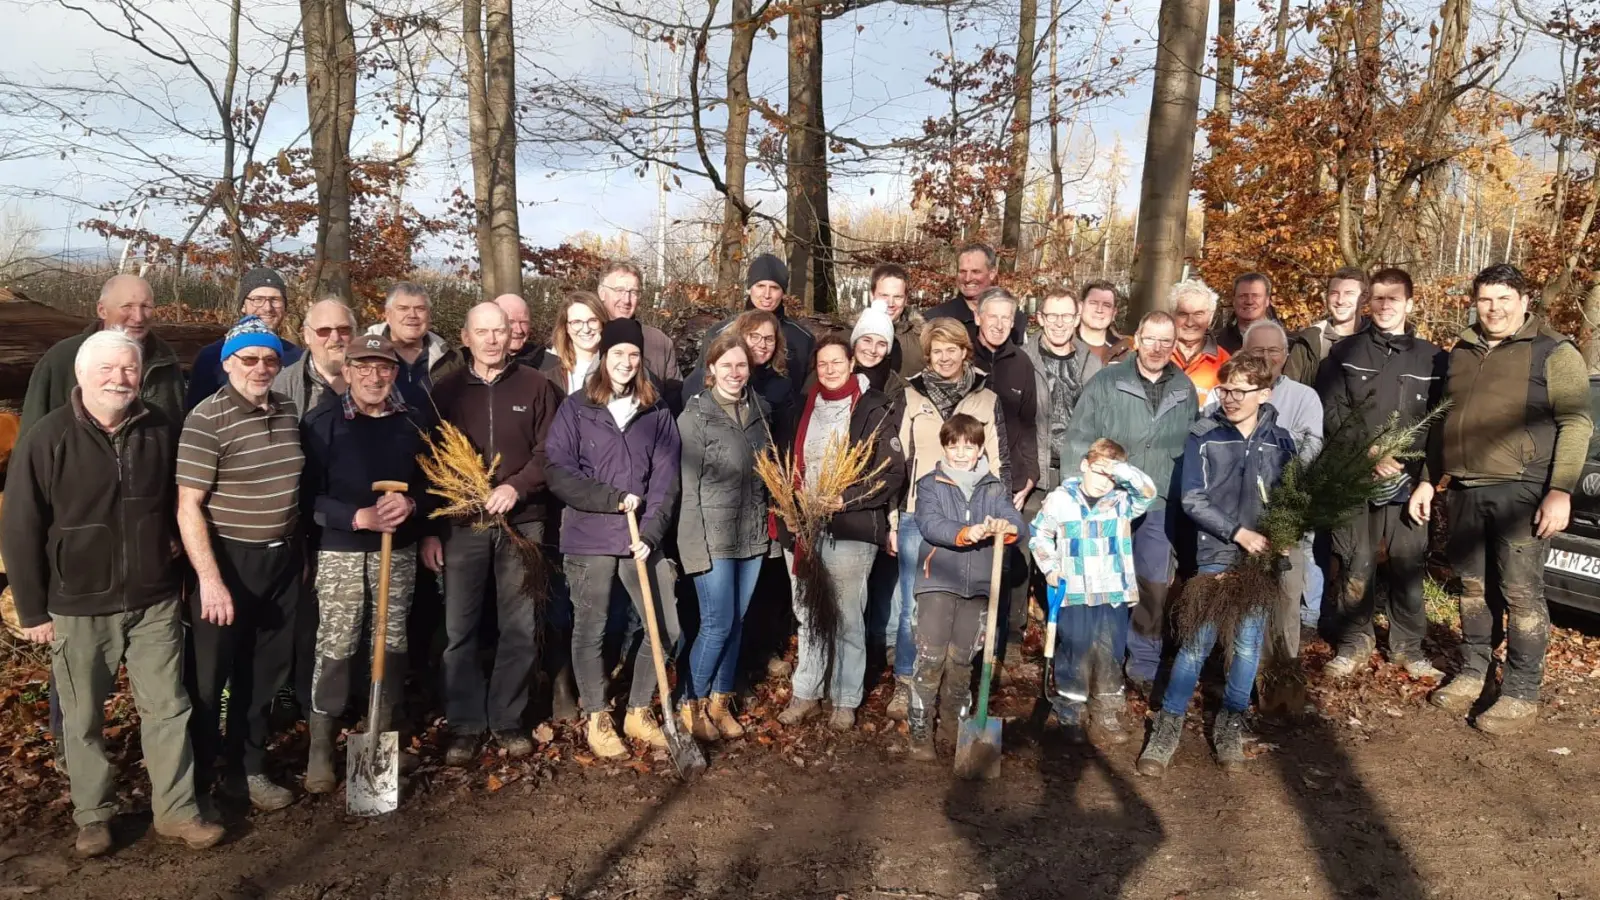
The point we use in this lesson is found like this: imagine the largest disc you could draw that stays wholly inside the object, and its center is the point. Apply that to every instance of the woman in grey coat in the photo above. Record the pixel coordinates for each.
(722, 528)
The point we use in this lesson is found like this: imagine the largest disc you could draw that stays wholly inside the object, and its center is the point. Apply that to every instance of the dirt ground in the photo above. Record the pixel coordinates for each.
(1377, 796)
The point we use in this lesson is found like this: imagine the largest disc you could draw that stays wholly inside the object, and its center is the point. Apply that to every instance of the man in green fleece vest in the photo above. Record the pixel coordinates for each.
(1513, 448)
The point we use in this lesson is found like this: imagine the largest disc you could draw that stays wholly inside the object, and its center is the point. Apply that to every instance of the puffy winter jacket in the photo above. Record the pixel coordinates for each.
(1115, 405)
(945, 564)
(724, 512)
(1227, 478)
(593, 464)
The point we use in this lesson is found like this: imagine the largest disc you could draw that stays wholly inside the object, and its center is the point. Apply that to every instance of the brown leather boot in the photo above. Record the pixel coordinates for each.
(721, 712)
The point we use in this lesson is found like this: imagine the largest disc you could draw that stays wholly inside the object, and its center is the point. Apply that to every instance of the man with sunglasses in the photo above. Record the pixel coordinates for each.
(263, 294)
(239, 464)
(327, 332)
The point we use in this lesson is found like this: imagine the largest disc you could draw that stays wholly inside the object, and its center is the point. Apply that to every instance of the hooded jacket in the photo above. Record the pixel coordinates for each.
(724, 511)
(1373, 374)
(920, 422)
(509, 418)
(53, 380)
(1227, 479)
(1013, 379)
(90, 518)
(799, 345)
(947, 563)
(594, 464)
(1115, 404)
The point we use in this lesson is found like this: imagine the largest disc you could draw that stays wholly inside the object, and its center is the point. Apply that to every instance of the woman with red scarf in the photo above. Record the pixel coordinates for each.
(841, 405)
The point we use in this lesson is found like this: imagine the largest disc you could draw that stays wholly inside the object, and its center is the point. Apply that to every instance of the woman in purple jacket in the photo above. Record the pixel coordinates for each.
(614, 447)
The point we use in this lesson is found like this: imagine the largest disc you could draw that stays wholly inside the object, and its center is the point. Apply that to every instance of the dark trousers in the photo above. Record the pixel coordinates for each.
(252, 657)
(949, 628)
(1355, 547)
(1492, 541)
(470, 558)
(591, 580)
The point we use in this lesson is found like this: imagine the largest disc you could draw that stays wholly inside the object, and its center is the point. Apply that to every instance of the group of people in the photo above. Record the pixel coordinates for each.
(222, 534)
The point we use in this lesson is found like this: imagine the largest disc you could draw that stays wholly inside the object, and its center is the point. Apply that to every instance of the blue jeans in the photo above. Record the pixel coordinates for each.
(724, 594)
(1090, 643)
(1241, 667)
(903, 611)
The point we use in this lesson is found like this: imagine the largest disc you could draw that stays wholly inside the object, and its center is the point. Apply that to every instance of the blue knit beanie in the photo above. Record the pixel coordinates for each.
(250, 332)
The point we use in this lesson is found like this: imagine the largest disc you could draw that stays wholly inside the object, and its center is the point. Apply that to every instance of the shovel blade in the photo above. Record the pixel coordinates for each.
(978, 749)
(372, 774)
(687, 757)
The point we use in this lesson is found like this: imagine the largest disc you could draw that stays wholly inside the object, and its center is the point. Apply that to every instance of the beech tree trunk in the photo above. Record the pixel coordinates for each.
(1221, 108)
(331, 105)
(735, 154)
(491, 127)
(810, 239)
(1021, 128)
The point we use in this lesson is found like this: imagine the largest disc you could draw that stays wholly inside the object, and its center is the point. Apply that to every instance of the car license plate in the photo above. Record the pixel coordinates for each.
(1574, 563)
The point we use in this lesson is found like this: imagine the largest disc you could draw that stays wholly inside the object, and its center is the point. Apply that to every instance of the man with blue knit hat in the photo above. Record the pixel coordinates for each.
(765, 284)
(263, 294)
(239, 464)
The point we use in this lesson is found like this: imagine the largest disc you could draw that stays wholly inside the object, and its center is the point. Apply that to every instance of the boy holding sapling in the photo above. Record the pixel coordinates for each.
(961, 506)
(1231, 462)
(1083, 544)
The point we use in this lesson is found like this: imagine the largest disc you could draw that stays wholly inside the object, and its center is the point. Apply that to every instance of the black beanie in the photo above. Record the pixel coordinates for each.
(261, 277)
(621, 331)
(767, 267)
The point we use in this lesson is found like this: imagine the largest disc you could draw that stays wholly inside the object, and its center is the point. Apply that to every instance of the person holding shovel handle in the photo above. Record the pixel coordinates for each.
(613, 449)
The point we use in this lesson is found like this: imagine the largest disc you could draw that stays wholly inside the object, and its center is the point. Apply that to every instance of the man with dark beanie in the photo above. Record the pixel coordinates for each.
(263, 294)
(765, 284)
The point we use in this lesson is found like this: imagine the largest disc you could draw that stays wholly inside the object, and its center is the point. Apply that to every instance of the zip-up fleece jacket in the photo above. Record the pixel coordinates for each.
(948, 562)
(594, 464)
(724, 513)
(1519, 410)
(866, 516)
(510, 418)
(1227, 478)
(53, 380)
(1059, 380)
(919, 432)
(1012, 378)
(1373, 374)
(1089, 543)
(91, 518)
(1115, 405)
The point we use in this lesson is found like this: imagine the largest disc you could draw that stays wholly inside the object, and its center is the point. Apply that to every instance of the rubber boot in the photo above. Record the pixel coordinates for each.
(1162, 746)
(955, 696)
(1227, 739)
(563, 687)
(320, 777)
(920, 724)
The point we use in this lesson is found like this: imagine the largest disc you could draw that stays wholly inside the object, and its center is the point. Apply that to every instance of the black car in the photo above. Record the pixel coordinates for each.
(1572, 569)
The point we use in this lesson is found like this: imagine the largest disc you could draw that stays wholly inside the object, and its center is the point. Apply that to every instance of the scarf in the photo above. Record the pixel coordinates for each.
(967, 481)
(851, 389)
(944, 395)
(878, 375)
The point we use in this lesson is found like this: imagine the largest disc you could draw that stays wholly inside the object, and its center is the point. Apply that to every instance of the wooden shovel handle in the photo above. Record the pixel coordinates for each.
(643, 567)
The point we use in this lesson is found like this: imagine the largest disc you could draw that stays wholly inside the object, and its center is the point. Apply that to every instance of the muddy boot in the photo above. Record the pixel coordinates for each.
(462, 750)
(564, 696)
(1459, 695)
(94, 839)
(603, 740)
(1070, 716)
(720, 711)
(1165, 733)
(1105, 719)
(900, 701)
(320, 777)
(1508, 715)
(1227, 739)
(920, 724)
(798, 711)
(955, 697)
(640, 725)
(842, 720)
(697, 722)
(196, 833)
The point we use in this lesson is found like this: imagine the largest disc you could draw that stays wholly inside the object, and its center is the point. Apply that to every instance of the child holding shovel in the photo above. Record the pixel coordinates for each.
(1083, 544)
(961, 506)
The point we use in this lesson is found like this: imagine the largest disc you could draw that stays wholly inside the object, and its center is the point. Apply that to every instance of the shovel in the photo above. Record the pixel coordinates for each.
(686, 755)
(978, 740)
(372, 759)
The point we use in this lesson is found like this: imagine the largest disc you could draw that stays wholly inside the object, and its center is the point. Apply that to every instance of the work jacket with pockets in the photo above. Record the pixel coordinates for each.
(1115, 405)
(1059, 380)
(1372, 375)
(595, 463)
(90, 520)
(867, 503)
(919, 432)
(946, 563)
(507, 418)
(1227, 479)
(724, 509)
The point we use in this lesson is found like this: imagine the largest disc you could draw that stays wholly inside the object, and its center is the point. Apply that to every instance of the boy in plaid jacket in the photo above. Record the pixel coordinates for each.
(1083, 544)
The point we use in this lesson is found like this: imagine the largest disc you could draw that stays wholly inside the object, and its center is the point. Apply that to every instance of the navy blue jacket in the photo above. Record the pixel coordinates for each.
(1227, 477)
(942, 511)
(206, 376)
(345, 456)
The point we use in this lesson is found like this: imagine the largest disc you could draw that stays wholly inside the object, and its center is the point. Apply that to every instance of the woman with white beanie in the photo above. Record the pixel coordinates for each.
(871, 342)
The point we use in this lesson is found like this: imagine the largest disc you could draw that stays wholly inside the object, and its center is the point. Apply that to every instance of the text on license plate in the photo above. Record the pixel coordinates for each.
(1574, 563)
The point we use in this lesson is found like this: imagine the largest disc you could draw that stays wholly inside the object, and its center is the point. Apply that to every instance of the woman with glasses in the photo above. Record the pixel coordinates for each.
(263, 294)
(949, 385)
(575, 343)
(762, 334)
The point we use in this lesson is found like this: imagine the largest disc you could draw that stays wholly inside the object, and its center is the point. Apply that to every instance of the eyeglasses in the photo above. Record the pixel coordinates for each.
(1158, 344)
(632, 293)
(251, 362)
(273, 300)
(761, 340)
(341, 330)
(1227, 394)
(384, 369)
(1058, 318)
(584, 324)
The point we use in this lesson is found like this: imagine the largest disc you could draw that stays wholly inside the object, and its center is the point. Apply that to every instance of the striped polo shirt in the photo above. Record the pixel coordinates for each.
(247, 459)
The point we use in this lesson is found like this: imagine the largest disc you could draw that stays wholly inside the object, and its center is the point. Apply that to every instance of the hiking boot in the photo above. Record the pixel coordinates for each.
(697, 722)
(1459, 695)
(720, 712)
(462, 750)
(1227, 739)
(843, 719)
(798, 711)
(640, 725)
(266, 795)
(1165, 732)
(1341, 666)
(516, 743)
(1105, 718)
(1508, 715)
(1070, 715)
(197, 833)
(1418, 667)
(900, 701)
(603, 740)
(320, 777)
(94, 839)
(921, 729)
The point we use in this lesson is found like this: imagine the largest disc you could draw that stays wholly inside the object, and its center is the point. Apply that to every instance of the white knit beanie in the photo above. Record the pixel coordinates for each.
(874, 320)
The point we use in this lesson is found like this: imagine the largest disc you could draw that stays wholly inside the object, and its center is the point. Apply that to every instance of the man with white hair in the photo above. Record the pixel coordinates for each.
(1194, 309)
(407, 316)
(127, 304)
(90, 546)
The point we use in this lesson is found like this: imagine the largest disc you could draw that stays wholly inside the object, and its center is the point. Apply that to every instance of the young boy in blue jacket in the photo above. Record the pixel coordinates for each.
(961, 506)
(1231, 463)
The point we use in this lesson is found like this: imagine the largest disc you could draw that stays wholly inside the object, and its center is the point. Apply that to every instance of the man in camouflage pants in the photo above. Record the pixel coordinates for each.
(351, 440)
